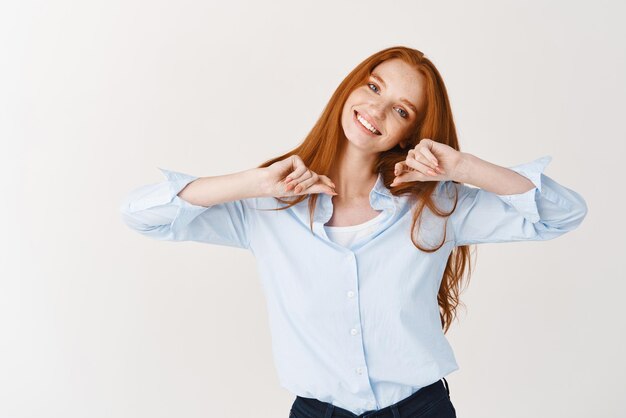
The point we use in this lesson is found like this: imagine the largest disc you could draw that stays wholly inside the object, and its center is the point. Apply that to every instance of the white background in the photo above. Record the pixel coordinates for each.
(98, 321)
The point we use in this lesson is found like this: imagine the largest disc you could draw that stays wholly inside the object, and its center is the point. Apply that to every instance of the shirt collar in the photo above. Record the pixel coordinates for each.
(380, 199)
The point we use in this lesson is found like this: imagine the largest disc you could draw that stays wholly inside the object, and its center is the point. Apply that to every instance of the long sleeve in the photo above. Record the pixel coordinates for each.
(545, 212)
(156, 211)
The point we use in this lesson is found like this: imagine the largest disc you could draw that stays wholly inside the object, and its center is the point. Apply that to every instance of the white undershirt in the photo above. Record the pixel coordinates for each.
(347, 235)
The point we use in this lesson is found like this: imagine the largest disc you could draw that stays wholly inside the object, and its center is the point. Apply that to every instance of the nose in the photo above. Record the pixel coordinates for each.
(377, 111)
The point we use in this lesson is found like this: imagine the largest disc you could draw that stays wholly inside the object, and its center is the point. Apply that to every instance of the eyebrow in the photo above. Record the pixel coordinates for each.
(402, 99)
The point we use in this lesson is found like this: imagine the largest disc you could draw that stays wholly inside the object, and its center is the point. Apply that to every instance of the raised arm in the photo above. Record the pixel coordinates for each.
(218, 209)
(509, 204)
(512, 204)
(184, 207)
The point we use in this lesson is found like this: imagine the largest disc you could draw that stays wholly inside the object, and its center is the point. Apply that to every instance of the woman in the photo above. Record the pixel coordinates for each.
(362, 284)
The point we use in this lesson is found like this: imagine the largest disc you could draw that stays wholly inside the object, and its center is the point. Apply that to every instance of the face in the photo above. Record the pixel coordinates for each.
(389, 102)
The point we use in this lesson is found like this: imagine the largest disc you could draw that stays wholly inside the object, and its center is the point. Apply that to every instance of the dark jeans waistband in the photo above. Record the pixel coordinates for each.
(406, 407)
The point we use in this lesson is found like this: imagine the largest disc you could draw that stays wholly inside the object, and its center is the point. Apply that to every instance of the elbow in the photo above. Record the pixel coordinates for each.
(126, 216)
(567, 221)
(580, 211)
(576, 214)
(145, 225)
(158, 232)
(131, 219)
(133, 224)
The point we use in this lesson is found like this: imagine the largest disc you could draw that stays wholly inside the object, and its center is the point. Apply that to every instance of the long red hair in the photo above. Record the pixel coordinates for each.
(326, 141)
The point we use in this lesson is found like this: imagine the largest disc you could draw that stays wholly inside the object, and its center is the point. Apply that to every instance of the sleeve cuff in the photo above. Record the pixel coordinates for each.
(177, 181)
(526, 202)
(162, 193)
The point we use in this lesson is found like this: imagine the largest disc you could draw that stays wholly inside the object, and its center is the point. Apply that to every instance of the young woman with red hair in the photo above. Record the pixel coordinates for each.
(362, 236)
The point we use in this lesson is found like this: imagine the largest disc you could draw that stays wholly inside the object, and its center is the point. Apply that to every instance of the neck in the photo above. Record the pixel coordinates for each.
(353, 174)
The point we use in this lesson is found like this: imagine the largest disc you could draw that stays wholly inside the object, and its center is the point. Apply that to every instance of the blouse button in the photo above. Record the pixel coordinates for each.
(350, 294)
(353, 331)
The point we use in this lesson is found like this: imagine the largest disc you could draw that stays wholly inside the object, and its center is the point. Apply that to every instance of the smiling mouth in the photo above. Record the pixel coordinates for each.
(365, 124)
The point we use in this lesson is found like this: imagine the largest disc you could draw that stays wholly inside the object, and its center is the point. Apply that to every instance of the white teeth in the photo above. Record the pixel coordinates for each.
(366, 124)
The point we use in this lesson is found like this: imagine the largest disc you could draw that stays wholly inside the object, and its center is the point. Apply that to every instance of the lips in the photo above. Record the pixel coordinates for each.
(368, 118)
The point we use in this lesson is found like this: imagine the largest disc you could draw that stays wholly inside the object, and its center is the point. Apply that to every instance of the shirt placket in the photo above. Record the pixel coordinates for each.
(354, 327)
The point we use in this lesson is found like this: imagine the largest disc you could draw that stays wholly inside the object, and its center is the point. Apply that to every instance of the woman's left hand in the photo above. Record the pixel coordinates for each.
(428, 161)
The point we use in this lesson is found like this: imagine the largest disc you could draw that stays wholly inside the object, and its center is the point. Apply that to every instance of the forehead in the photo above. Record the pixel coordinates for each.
(401, 78)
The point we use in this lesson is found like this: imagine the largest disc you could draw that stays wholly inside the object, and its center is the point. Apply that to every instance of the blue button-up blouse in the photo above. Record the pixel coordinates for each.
(357, 327)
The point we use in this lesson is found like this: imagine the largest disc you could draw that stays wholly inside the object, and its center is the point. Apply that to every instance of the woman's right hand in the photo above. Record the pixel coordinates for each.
(290, 177)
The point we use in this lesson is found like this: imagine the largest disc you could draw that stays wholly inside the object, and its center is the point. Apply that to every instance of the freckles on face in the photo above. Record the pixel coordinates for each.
(389, 100)
(364, 123)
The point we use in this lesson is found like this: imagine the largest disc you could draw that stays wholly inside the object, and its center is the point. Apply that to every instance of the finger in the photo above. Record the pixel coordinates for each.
(399, 168)
(407, 177)
(321, 188)
(316, 184)
(301, 173)
(426, 142)
(397, 180)
(306, 183)
(298, 180)
(327, 181)
(430, 156)
(402, 167)
(297, 168)
(404, 173)
(416, 161)
(414, 154)
(417, 155)
(420, 166)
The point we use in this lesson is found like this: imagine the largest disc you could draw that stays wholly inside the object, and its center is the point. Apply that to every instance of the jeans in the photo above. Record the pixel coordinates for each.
(432, 401)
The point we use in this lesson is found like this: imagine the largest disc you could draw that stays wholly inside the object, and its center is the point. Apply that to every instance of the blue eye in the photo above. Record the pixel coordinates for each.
(403, 113)
(372, 84)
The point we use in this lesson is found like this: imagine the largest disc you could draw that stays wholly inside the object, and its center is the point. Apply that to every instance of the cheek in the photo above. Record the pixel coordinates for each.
(357, 96)
(396, 127)
(397, 130)
(350, 102)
